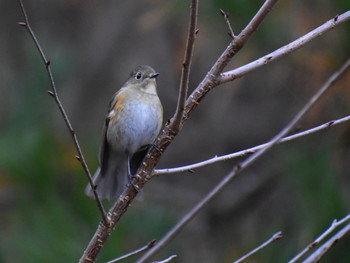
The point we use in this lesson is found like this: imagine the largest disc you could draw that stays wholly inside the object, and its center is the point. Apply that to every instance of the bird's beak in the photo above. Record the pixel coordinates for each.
(153, 75)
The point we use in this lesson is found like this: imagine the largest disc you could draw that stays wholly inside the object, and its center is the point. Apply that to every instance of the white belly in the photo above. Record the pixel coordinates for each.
(136, 125)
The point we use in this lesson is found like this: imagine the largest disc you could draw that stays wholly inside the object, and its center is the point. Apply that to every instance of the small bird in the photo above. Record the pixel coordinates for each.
(132, 124)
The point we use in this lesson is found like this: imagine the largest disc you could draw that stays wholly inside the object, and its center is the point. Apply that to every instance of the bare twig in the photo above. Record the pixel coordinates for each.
(166, 260)
(230, 30)
(316, 242)
(274, 238)
(296, 44)
(320, 252)
(251, 150)
(53, 93)
(133, 253)
(238, 168)
(186, 67)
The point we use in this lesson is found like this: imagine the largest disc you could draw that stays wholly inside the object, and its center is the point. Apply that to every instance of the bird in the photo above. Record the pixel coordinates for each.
(133, 122)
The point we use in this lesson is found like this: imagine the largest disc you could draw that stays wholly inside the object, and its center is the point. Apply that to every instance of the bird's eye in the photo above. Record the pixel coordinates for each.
(138, 75)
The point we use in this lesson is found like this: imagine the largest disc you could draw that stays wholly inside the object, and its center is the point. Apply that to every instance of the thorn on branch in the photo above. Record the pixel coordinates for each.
(151, 243)
(191, 171)
(23, 24)
(330, 123)
(225, 15)
(335, 19)
(78, 158)
(51, 93)
(196, 31)
(267, 59)
(47, 63)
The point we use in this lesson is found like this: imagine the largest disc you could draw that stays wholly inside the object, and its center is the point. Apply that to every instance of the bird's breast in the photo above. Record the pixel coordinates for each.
(135, 125)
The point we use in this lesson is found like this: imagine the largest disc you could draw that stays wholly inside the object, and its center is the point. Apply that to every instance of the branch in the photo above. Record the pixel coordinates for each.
(251, 150)
(296, 44)
(186, 67)
(316, 242)
(319, 253)
(133, 253)
(274, 238)
(53, 93)
(245, 164)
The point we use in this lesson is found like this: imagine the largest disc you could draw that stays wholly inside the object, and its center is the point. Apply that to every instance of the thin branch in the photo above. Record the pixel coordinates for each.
(319, 253)
(166, 260)
(274, 238)
(186, 67)
(251, 150)
(53, 93)
(296, 44)
(238, 168)
(133, 253)
(316, 242)
(230, 30)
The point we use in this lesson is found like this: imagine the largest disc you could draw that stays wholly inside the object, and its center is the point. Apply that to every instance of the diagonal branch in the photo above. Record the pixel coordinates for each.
(296, 44)
(320, 252)
(53, 93)
(245, 164)
(316, 242)
(251, 150)
(186, 67)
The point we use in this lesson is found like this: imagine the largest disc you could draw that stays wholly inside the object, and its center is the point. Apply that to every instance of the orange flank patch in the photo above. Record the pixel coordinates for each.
(117, 106)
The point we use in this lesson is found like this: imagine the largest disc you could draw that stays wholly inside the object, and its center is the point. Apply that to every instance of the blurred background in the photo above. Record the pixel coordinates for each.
(297, 188)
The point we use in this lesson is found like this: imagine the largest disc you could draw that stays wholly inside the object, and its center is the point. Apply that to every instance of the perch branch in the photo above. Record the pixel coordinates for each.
(53, 93)
(272, 239)
(186, 67)
(246, 163)
(317, 241)
(251, 150)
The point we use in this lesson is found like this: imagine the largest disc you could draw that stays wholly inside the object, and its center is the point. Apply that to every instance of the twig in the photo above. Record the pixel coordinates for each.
(186, 67)
(230, 30)
(166, 260)
(320, 252)
(133, 253)
(251, 150)
(53, 93)
(296, 44)
(315, 243)
(238, 168)
(274, 238)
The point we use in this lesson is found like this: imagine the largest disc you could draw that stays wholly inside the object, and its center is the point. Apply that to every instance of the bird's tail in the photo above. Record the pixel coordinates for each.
(111, 184)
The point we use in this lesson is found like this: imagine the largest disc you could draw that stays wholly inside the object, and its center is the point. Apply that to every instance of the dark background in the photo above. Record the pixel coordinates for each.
(297, 188)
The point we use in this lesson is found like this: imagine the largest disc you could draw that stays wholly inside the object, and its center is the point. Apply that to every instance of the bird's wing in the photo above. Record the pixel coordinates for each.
(105, 148)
